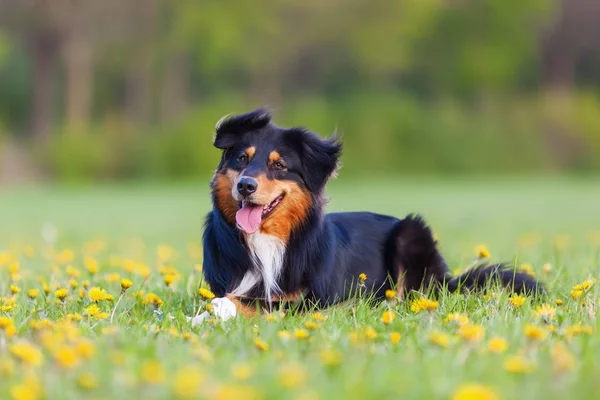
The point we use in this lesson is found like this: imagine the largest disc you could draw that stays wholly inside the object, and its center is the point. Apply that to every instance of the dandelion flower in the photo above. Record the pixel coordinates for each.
(292, 375)
(482, 252)
(66, 357)
(535, 333)
(205, 293)
(14, 289)
(125, 284)
(362, 278)
(576, 293)
(387, 317)
(153, 372)
(497, 345)
(331, 358)
(439, 339)
(33, 293)
(562, 359)
(474, 391)
(317, 316)
(311, 325)
(152, 299)
(545, 311)
(517, 300)
(261, 344)
(457, 319)
(301, 334)
(423, 304)
(395, 337)
(559, 302)
(96, 294)
(390, 294)
(27, 353)
(61, 294)
(471, 333)
(284, 335)
(527, 269)
(371, 333)
(187, 382)
(169, 279)
(547, 268)
(518, 365)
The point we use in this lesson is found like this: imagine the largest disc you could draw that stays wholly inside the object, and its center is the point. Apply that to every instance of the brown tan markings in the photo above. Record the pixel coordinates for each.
(274, 156)
(249, 307)
(222, 184)
(290, 213)
(400, 285)
(250, 151)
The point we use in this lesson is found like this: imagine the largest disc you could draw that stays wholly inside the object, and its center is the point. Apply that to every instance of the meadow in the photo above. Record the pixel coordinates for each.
(96, 284)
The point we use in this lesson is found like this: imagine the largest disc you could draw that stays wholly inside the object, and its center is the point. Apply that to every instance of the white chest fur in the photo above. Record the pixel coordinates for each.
(266, 252)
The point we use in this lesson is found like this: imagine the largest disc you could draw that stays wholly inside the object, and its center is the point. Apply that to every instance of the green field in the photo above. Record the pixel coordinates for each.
(57, 238)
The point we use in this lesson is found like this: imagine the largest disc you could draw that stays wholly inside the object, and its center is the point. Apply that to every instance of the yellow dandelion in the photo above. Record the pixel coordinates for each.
(387, 317)
(301, 334)
(518, 365)
(527, 269)
(545, 311)
(331, 358)
(371, 333)
(471, 333)
(474, 391)
(14, 289)
(390, 294)
(85, 349)
(439, 339)
(311, 325)
(317, 316)
(27, 353)
(28, 390)
(61, 294)
(497, 345)
(547, 268)
(562, 359)
(153, 372)
(576, 293)
(292, 375)
(33, 293)
(66, 357)
(153, 300)
(125, 284)
(362, 278)
(482, 252)
(187, 382)
(205, 293)
(395, 337)
(46, 288)
(261, 344)
(423, 304)
(559, 302)
(457, 319)
(284, 335)
(517, 300)
(535, 333)
(96, 294)
(91, 265)
(93, 310)
(169, 279)
(7, 367)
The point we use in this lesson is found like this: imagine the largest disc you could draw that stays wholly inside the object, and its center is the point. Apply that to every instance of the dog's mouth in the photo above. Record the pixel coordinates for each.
(250, 215)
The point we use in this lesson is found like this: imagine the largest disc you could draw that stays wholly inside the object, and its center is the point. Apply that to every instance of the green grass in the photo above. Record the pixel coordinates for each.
(522, 221)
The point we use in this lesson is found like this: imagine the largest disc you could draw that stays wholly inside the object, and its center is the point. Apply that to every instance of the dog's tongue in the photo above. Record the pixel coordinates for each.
(249, 217)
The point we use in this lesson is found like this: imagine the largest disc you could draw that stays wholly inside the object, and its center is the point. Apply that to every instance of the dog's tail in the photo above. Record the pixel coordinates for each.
(419, 264)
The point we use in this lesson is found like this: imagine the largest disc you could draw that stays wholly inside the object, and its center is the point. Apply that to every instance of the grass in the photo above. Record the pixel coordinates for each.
(56, 236)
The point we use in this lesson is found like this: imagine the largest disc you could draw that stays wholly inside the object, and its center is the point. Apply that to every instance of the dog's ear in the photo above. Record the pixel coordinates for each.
(320, 157)
(230, 128)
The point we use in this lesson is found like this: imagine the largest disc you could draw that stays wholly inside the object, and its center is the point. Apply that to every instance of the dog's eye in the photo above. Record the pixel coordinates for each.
(278, 165)
(243, 158)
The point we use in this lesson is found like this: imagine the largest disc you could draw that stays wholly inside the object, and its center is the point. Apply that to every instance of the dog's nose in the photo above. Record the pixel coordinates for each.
(246, 186)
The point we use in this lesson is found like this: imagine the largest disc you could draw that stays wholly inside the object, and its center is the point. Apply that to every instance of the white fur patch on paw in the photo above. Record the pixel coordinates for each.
(223, 308)
(198, 320)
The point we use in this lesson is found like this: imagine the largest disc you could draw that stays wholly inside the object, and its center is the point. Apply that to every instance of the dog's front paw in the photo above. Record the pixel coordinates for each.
(223, 308)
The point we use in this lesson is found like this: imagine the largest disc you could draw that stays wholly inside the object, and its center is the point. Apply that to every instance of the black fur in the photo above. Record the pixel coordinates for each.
(325, 254)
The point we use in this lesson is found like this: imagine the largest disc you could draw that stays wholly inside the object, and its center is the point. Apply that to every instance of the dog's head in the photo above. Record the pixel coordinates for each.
(268, 176)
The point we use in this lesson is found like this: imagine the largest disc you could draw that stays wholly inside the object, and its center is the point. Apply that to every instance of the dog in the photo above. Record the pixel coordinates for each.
(267, 239)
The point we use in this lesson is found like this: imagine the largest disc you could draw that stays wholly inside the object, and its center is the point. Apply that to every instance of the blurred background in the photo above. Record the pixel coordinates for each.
(131, 90)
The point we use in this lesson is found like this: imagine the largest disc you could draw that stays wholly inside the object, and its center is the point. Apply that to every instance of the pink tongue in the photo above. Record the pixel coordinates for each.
(249, 217)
